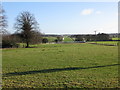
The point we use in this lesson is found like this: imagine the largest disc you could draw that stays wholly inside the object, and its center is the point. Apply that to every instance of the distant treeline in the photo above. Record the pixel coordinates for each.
(91, 37)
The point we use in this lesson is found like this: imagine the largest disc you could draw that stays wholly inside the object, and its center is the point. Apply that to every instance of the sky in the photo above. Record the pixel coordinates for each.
(67, 17)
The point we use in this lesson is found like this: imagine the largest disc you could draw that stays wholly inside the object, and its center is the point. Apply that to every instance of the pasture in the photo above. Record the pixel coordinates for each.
(51, 39)
(106, 42)
(77, 65)
(67, 39)
(115, 38)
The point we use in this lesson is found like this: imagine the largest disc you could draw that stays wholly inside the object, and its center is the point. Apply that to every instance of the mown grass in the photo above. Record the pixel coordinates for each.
(61, 66)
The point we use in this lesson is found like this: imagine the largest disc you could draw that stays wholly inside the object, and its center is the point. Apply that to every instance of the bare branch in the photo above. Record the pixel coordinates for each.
(26, 24)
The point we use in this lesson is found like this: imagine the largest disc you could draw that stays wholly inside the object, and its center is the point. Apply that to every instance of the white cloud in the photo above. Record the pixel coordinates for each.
(98, 12)
(87, 11)
(90, 11)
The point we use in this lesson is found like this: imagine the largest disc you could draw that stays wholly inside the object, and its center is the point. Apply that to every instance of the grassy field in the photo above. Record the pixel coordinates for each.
(61, 66)
(51, 39)
(106, 42)
(115, 38)
(67, 39)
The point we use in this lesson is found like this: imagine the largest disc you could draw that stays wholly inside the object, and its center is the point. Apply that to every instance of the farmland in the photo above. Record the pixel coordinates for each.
(77, 65)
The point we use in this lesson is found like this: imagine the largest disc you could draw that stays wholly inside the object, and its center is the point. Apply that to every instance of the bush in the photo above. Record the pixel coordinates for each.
(60, 38)
(8, 42)
(44, 40)
(56, 40)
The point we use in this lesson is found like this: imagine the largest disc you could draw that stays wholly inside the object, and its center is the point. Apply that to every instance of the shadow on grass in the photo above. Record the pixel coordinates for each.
(53, 70)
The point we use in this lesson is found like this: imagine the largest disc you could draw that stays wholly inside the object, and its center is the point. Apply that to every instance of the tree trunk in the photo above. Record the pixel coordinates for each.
(27, 44)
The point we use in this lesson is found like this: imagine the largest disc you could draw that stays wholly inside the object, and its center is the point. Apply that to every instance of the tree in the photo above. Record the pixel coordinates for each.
(59, 38)
(102, 37)
(56, 40)
(3, 21)
(36, 37)
(79, 38)
(4, 34)
(26, 25)
(44, 40)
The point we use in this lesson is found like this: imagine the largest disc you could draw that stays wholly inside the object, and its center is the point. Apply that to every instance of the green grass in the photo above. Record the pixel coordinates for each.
(51, 39)
(67, 39)
(61, 66)
(106, 42)
(115, 38)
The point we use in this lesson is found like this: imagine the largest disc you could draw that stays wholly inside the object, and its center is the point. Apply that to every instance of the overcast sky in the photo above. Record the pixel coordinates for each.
(67, 17)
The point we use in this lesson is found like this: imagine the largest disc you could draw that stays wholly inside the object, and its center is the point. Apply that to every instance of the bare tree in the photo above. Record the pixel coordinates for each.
(4, 35)
(36, 37)
(26, 25)
(3, 21)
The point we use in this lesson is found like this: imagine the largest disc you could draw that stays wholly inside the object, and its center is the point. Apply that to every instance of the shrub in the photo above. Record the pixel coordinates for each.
(56, 40)
(9, 42)
(44, 40)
